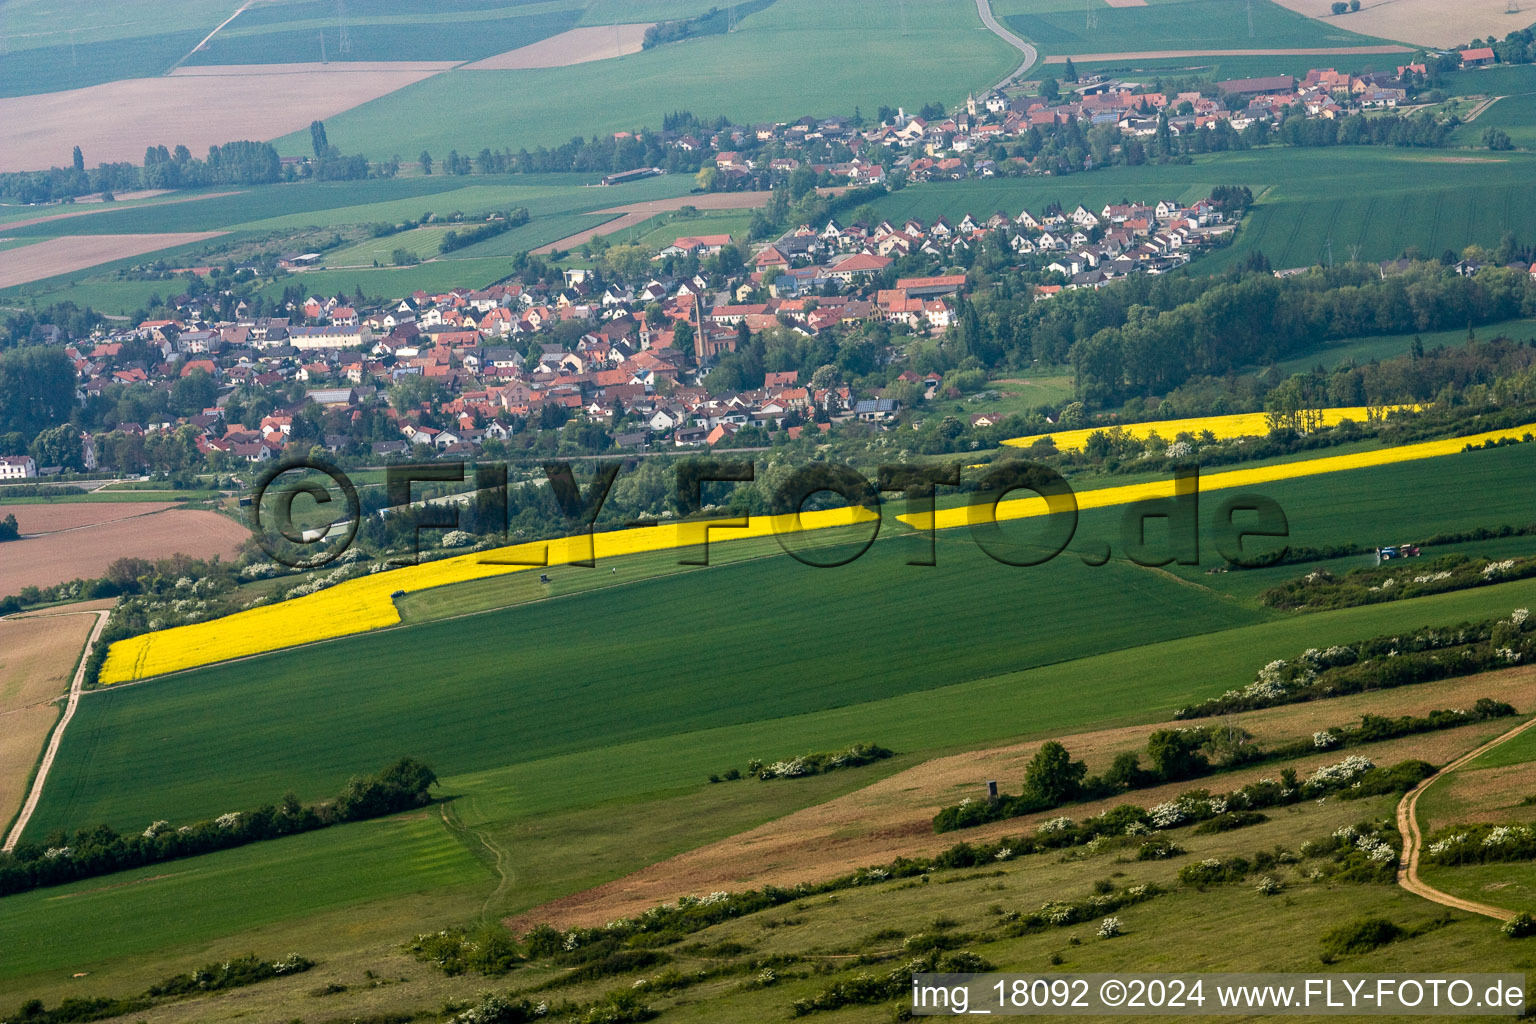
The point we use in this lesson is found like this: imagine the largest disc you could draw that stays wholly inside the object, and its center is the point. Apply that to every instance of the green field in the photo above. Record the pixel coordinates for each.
(1514, 113)
(858, 53)
(670, 227)
(398, 30)
(1061, 27)
(422, 242)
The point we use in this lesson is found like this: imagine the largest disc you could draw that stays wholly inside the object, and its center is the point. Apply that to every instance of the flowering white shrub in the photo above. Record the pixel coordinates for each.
(1520, 615)
(1493, 570)
(1434, 577)
(55, 852)
(229, 820)
(1343, 773)
(1324, 740)
(1268, 886)
(1166, 815)
(1435, 849)
(1506, 833)
(1109, 928)
(1180, 450)
(1053, 826)
(1375, 849)
(1003, 854)
(456, 539)
(155, 828)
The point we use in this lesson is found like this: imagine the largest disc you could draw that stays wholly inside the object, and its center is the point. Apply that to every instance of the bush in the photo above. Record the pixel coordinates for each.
(1520, 926)
(1361, 936)
(1229, 821)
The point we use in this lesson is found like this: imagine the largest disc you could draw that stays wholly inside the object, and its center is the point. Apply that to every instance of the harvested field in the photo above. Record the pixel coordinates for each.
(638, 213)
(893, 817)
(84, 553)
(1126, 3)
(37, 659)
(112, 121)
(1426, 22)
(77, 252)
(576, 46)
(1314, 51)
(36, 519)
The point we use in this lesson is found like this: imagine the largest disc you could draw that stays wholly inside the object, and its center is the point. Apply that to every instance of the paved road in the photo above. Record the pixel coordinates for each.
(58, 734)
(984, 9)
(1413, 842)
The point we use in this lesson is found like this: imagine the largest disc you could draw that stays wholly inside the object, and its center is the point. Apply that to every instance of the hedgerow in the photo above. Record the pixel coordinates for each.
(103, 850)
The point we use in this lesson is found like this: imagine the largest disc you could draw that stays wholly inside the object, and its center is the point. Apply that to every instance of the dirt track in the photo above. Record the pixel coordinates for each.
(576, 46)
(1324, 51)
(1413, 842)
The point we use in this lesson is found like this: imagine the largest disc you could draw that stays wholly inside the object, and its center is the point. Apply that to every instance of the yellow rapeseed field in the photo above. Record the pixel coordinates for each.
(1246, 424)
(364, 604)
(1022, 508)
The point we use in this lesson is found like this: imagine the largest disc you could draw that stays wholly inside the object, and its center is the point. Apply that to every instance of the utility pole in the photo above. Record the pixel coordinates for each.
(343, 37)
(1093, 14)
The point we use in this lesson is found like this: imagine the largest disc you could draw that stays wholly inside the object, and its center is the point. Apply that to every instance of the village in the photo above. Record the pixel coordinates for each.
(633, 357)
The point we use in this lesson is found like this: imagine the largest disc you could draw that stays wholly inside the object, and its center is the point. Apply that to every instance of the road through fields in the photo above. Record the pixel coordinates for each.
(984, 9)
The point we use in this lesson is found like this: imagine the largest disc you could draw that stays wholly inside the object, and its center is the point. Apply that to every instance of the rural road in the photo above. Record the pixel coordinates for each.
(984, 9)
(1413, 842)
(58, 733)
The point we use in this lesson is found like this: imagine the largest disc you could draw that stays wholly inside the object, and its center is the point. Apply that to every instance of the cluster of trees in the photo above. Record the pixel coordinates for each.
(1140, 337)
(233, 163)
(504, 221)
(103, 850)
(597, 155)
(37, 389)
(1519, 47)
(331, 164)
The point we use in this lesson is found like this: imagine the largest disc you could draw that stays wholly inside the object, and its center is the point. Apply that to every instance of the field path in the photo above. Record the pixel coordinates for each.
(1413, 841)
(58, 733)
(1031, 55)
(204, 42)
(1477, 111)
